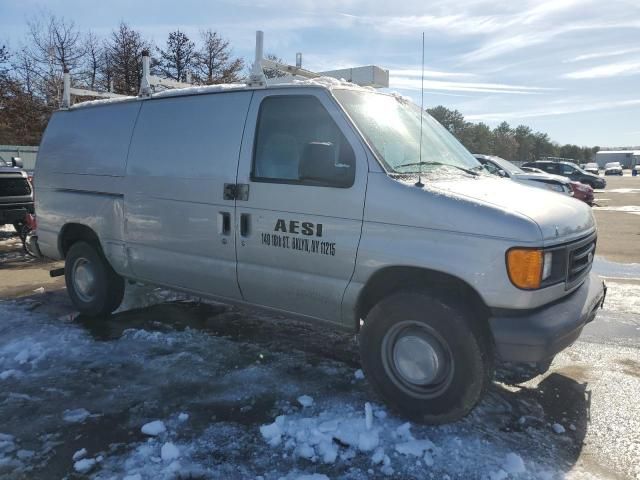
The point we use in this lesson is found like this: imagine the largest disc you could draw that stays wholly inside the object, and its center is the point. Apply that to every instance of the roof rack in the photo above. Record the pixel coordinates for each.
(366, 76)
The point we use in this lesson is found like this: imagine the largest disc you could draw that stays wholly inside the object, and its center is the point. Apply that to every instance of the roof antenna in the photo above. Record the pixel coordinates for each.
(419, 182)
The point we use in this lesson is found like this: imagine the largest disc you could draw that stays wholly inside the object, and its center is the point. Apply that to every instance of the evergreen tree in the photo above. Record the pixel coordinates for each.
(178, 58)
(214, 61)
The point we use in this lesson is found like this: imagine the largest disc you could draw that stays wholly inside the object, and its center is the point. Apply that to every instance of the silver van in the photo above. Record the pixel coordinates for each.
(314, 199)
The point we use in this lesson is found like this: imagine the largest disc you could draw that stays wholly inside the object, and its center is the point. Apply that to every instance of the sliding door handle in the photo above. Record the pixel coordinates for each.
(245, 227)
(224, 225)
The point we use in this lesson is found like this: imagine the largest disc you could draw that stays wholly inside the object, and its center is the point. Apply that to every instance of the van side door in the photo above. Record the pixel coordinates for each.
(179, 225)
(304, 171)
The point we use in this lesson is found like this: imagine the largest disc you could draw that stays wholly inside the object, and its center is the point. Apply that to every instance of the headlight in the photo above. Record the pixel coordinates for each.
(531, 268)
(525, 267)
(546, 267)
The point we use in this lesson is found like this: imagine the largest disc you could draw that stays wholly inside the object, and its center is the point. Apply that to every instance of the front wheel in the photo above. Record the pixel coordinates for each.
(425, 356)
(94, 287)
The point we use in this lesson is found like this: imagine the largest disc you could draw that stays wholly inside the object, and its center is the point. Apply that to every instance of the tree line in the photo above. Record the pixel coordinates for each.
(516, 144)
(31, 76)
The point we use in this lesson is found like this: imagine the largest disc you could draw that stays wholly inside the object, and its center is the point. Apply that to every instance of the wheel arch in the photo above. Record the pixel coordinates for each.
(392, 279)
(74, 232)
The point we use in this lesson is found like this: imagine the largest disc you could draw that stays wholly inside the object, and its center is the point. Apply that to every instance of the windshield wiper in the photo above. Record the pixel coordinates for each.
(417, 164)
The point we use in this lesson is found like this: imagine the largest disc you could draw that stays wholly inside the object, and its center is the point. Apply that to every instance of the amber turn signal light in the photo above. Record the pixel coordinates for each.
(525, 267)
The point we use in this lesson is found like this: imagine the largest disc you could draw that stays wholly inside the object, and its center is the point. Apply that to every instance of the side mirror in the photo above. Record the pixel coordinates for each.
(321, 164)
(502, 173)
(16, 162)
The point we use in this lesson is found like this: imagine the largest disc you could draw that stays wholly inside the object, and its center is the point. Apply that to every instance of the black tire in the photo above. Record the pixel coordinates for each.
(457, 339)
(103, 293)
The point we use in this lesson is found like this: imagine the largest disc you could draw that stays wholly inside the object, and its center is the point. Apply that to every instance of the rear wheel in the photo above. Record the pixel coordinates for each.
(425, 356)
(94, 287)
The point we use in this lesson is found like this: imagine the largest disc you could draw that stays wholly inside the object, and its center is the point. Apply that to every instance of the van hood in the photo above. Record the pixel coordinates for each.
(559, 217)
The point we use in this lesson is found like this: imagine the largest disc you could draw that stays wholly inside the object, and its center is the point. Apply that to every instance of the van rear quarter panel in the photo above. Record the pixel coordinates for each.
(80, 169)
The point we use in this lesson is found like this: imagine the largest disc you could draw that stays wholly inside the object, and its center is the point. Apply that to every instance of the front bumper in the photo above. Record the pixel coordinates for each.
(537, 335)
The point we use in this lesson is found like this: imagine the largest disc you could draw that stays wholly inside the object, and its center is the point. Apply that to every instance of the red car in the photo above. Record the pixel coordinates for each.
(582, 192)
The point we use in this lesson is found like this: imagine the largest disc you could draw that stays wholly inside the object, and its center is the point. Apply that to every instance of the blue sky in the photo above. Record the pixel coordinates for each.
(570, 68)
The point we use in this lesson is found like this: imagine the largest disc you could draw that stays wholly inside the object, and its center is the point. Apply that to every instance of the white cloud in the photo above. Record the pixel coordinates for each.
(608, 70)
(605, 54)
(549, 110)
(414, 72)
(413, 83)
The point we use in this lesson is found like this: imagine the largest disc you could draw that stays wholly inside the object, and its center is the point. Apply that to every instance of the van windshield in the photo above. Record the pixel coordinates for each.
(391, 125)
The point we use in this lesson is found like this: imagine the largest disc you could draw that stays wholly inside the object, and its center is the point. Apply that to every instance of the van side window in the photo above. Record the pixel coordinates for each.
(298, 142)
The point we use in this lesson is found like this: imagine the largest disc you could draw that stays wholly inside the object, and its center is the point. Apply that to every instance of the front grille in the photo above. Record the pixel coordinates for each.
(14, 187)
(580, 259)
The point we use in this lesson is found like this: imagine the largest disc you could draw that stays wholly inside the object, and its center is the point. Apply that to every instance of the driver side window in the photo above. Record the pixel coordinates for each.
(298, 142)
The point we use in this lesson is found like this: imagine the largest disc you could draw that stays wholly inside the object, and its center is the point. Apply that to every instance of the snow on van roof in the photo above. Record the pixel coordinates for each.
(323, 82)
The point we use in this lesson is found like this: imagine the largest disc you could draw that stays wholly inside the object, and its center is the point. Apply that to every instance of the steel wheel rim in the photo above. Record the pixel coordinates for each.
(84, 279)
(417, 359)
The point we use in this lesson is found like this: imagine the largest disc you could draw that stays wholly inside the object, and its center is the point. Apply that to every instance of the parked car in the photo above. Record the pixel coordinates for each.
(592, 168)
(569, 170)
(613, 168)
(582, 192)
(504, 168)
(531, 170)
(16, 194)
(314, 199)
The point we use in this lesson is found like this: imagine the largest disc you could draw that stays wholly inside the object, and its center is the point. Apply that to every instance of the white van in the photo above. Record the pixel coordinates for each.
(313, 199)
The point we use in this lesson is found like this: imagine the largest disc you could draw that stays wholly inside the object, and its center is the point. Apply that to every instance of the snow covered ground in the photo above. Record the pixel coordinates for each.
(190, 390)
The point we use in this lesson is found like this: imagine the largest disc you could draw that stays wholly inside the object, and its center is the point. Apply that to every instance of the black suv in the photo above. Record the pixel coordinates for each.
(16, 195)
(569, 170)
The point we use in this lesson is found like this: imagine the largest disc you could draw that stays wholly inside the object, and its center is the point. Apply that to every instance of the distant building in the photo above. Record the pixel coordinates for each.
(26, 153)
(627, 158)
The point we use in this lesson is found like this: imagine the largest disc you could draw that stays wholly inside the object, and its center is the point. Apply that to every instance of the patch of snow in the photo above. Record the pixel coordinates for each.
(368, 415)
(25, 454)
(359, 374)
(183, 417)
(199, 89)
(633, 209)
(607, 268)
(135, 476)
(313, 476)
(79, 454)
(9, 374)
(305, 400)
(7, 444)
(321, 436)
(102, 101)
(77, 415)
(85, 465)
(619, 190)
(153, 428)
(417, 448)
(513, 464)
(557, 428)
(169, 452)
(272, 433)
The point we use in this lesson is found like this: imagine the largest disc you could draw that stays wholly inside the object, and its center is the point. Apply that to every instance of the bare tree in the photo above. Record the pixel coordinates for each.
(124, 65)
(94, 58)
(24, 68)
(215, 63)
(54, 45)
(179, 56)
